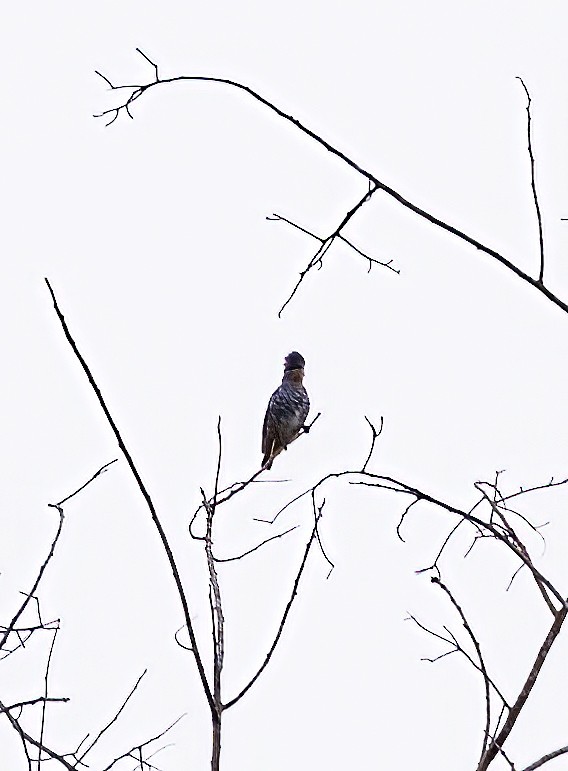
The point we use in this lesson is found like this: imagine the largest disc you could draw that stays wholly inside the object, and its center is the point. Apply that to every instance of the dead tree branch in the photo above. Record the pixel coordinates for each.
(376, 184)
(533, 182)
(112, 721)
(283, 620)
(545, 758)
(327, 242)
(130, 753)
(146, 495)
(520, 702)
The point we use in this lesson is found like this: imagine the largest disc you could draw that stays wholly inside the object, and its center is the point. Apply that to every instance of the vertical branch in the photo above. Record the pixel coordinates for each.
(217, 621)
(45, 693)
(533, 183)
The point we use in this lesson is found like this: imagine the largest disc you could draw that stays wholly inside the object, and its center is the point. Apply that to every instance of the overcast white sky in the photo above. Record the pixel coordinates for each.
(153, 234)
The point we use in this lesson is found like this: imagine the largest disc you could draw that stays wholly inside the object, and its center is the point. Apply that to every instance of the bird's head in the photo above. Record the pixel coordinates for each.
(294, 360)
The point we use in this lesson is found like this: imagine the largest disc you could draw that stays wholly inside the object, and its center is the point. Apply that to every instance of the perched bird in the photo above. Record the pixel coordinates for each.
(287, 410)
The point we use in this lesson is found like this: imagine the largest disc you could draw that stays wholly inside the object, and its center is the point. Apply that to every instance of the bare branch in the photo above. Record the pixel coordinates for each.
(533, 183)
(520, 549)
(26, 738)
(258, 546)
(501, 738)
(326, 243)
(375, 436)
(45, 693)
(237, 487)
(545, 758)
(39, 576)
(154, 65)
(455, 648)
(32, 702)
(482, 668)
(146, 495)
(266, 661)
(317, 510)
(87, 483)
(113, 720)
(375, 183)
(129, 752)
(498, 532)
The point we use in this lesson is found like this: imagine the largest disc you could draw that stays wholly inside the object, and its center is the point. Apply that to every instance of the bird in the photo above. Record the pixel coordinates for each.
(287, 410)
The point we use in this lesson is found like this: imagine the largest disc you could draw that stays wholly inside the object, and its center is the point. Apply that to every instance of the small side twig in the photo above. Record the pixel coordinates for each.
(113, 720)
(545, 758)
(327, 242)
(255, 548)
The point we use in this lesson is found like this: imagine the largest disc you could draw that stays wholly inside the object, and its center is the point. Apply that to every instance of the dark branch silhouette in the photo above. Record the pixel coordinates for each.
(545, 758)
(283, 620)
(533, 182)
(376, 184)
(327, 243)
(142, 487)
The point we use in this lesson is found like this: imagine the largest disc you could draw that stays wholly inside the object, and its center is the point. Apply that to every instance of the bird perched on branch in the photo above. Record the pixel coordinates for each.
(287, 410)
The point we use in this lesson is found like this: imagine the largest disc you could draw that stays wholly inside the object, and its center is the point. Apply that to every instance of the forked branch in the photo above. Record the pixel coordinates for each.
(375, 184)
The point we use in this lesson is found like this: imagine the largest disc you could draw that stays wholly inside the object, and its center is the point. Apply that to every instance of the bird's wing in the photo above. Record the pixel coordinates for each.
(305, 406)
(268, 430)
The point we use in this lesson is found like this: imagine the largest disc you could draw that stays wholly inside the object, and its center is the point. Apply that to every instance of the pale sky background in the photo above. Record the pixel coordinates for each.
(154, 236)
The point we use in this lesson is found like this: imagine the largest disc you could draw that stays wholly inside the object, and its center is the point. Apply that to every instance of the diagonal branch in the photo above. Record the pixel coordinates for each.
(327, 242)
(258, 546)
(516, 708)
(112, 721)
(146, 496)
(139, 90)
(545, 758)
(27, 738)
(128, 753)
(482, 668)
(39, 576)
(285, 615)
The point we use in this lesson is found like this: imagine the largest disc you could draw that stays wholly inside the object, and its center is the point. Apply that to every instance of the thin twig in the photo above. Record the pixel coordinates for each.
(250, 551)
(45, 692)
(533, 182)
(375, 436)
(482, 667)
(32, 702)
(129, 752)
(87, 483)
(113, 720)
(39, 576)
(285, 615)
(326, 243)
(30, 739)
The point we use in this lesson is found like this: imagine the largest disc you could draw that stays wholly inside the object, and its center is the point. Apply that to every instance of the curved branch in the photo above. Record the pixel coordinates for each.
(377, 184)
(266, 661)
(545, 758)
